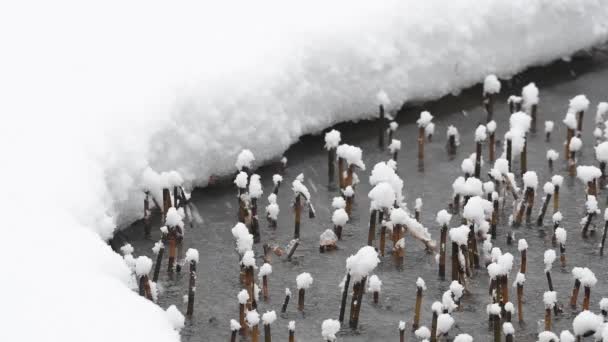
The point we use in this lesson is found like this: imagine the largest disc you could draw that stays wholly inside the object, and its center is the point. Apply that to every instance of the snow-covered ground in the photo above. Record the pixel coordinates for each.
(93, 93)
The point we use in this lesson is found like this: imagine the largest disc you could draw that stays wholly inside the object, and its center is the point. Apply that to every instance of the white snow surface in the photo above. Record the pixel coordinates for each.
(170, 104)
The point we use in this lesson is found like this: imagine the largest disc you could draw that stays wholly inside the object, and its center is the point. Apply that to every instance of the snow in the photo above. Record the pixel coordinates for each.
(463, 338)
(549, 299)
(514, 99)
(491, 127)
(522, 245)
(570, 120)
(457, 289)
(587, 173)
(601, 152)
(241, 180)
(329, 328)
(520, 279)
(127, 249)
(502, 165)
(193, 108)
(579, 103)
(299, 188)
(444, 323)
(423, 332)
(443, 217)
(557, 180)
(401, 325)
(269, 317)
(253, 318)
(327, 238)
(352, 154)
(459, 186)
(566, 336)
(509, 307)
(382, 98)
(588, 278)
(158, 245)
(549, 126)
(547, 336)
(303, 280)
(332, 139)
(586, 321)
(287, 292)
(243, 297)
(600, 114)
(382, 195)
(493, 309)
(578, 272)
(418, 205)
(491, 85)
(374, 284)
(548, 188)
(481, 133)
(399, 216)
(393, 126)
(561, 235)
(143, 265)
(604, 304)
(265, 269)
(474, 209)
(425, 119)
(394, 146)
(348, 192)
(429, 129)
(192, 255)
(552, 155)
(459, 235)
(339, 217)
(591, 205)
(362, 263)
(549, 258)
(338, 202)
(255, 186)
(530, 180)
(175, 317)
(520, 121)
(420, 283)
(244, 159)
(277, 179)
(530, 96)
(575, 144)
(291, 326)
(234, 325)
(488, 187)
(453, 131)
(173, 218)
(467, 166)
(244, 240)
(272, 209)
(248, 259)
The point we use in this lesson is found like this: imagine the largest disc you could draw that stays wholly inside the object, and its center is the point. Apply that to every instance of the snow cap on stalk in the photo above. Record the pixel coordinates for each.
(338, 202)
(265, 270)
(362, 263)
(591, 205)
(332, 139)
(549, 299)
(549, 126)
(549, 258)
(453, 131)
(192, 255)
(243, 297)
(587, 173)
(491, 127)
(382, 98)
(459, 186)
(444, 323)
(127, 249)
(514, 99)
(463, 338)
(522, 245)
(561, 235)
(579, 103)
(548, 188)
(394, 146)
(423, 333)
(329, 329)
(269, 317)
(602, 109)
(244, 159)
(328, 238)
(457, 289)
(276, 179)
(374, 284)
(467, 166)
(575, 144)
(399, 216)
(601, 152)
(253, 318)
(303, 280)
(291, 326)
(530, 96)
(570, 121)
(429, 129)
(241, 180)
(460, 235)
(491, 85)
(234, 325)
(588, 278)
(248, 259)
(557, 180)
(143, 265)
(425, 119)
(443, 217)
(481, 133)
(473, 187)
(520, 279)
(585, 322)
(502, 165)
(352, 154)
(382, 195)
(520, 121)
(547, 336)
(401, 325)
(339, 217)
(420, 283)
(566, 336)
(299, 188)
(530, 180)
(255, 186)
(173, 219)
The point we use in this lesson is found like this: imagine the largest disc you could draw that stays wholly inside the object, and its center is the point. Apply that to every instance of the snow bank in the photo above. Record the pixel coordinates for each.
(168, 103)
